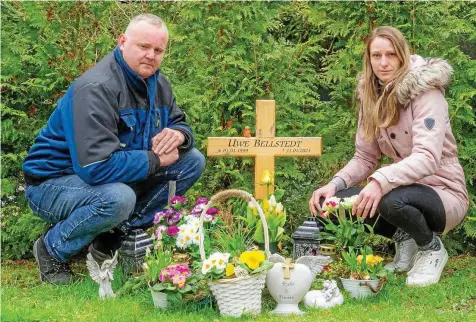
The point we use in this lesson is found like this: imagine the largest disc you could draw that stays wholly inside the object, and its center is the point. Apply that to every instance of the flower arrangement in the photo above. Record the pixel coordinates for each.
(275, 215)
(339, 226)
(364, 266)
(273, 210)
(162, 275)
(219, 265)
(178, 227)
(173, 281)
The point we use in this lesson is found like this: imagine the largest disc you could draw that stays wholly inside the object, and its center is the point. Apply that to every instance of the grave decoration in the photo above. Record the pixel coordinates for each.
(289, 282)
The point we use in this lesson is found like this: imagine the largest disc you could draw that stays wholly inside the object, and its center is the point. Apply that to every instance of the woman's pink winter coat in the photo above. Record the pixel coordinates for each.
(421, 144)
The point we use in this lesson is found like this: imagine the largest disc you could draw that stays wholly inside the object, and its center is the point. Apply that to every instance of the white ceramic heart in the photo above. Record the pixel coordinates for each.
(289, 292)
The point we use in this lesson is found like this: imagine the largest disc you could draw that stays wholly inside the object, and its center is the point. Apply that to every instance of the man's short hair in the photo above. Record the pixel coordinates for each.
(149, 18)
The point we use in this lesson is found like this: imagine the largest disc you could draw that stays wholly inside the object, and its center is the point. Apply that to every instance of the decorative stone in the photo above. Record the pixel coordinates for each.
(328, 297)
(133, 250)
(288, 282)
(306, 238)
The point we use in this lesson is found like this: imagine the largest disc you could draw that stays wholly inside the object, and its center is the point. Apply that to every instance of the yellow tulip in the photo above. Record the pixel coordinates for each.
(267, 178)
(266, 205)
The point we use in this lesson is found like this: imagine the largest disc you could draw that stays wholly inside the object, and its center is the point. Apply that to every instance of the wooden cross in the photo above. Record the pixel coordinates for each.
(265, 146)
(287, 266)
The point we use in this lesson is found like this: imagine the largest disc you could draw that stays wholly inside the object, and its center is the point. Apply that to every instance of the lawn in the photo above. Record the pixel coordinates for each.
(24, 298)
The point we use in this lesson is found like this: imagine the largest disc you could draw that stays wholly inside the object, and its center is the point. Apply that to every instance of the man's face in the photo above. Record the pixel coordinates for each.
(384, 59)
(143, 48)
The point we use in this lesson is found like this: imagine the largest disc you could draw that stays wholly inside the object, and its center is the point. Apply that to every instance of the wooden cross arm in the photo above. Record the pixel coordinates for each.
(277, 146)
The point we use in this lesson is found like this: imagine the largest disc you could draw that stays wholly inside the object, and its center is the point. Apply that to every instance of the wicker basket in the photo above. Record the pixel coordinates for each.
(240, 295)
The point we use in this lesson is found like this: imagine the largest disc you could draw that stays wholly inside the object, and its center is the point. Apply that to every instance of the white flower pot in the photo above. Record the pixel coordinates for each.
(289, 292)
(357, 289)
(160, 299)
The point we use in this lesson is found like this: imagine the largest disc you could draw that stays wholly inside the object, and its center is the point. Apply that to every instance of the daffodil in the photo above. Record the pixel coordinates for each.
(230, 270)
(252, 258)
(279, 208)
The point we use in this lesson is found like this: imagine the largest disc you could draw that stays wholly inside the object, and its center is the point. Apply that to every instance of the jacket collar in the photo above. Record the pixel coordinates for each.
(149, 85)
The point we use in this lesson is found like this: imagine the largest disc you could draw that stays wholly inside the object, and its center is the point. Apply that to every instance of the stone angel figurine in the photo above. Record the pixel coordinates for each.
(329, 296)
(102, 275)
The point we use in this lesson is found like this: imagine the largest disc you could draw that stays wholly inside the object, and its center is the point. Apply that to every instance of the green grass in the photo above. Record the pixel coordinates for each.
(24, 298)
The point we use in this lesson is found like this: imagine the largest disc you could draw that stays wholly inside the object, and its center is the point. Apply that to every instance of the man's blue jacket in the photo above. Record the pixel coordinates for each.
(103, 126)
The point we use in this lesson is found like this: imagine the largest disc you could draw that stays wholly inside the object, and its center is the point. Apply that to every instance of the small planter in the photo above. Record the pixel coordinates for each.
(160, 299)
(362, 288)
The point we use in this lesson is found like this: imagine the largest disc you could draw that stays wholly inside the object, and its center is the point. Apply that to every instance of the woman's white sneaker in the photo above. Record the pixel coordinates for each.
(428, 266)
(404, 254)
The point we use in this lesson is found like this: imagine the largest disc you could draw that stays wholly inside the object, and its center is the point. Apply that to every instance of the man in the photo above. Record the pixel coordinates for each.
(102, 164)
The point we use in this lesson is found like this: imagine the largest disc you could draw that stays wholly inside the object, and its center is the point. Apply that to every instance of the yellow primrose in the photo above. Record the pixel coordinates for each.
(252, 258)
(359, 259)
(230, 270)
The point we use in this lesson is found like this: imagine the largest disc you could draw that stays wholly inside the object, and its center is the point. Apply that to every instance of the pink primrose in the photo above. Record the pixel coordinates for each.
(158, 217)
(212, 211)
(172, 230)
(201, 201)
(176, 199)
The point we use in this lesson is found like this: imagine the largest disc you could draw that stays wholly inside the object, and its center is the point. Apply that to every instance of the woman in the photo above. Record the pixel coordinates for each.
(404, 115)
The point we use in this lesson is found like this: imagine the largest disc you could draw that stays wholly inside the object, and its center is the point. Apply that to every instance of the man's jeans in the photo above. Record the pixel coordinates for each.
(80, 212)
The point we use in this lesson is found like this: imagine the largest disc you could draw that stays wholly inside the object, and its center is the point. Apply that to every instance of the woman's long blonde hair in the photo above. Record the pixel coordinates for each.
(380, 108)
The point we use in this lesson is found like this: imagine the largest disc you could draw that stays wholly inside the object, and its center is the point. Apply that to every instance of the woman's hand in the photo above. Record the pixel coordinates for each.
(329, 190)
(368, 200)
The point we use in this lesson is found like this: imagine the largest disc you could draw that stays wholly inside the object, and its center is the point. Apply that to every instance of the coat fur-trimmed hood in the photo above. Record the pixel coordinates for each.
(424, 74)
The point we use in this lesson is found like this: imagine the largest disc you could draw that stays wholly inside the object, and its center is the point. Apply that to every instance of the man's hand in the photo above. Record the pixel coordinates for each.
(169, 158)
(329, 190)
(166, 141)
(368, 200)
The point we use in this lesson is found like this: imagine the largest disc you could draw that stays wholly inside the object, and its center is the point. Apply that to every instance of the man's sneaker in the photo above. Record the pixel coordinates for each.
(428, 266)
(51, 270)
(404, 254)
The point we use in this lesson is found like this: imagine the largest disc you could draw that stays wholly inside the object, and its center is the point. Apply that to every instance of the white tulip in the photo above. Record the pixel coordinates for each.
(279, 208)
(272, 201)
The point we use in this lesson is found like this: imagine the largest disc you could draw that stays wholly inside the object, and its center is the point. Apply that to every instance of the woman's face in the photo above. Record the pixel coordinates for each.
(383, 58)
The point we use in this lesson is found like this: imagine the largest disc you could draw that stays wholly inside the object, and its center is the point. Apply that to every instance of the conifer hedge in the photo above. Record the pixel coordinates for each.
(221, 58)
